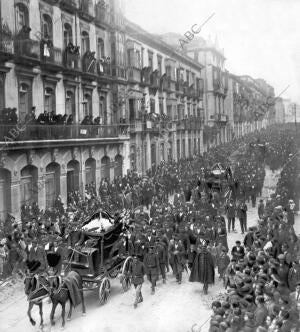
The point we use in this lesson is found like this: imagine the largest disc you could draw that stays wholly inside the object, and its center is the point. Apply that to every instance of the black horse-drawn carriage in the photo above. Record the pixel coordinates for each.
(99, 256)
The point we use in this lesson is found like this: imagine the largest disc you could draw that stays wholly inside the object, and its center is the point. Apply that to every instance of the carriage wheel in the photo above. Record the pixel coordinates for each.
(126, 278)
(104, 291)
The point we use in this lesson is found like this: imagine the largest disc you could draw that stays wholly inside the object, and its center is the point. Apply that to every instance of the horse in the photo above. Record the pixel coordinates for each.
(61, 291)
(36, 289)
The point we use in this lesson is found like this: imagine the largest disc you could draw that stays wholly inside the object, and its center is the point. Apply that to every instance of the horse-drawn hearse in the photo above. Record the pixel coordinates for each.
(98, 252)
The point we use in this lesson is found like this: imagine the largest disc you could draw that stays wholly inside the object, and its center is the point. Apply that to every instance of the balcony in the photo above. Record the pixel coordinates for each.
(86, 10)
(119, 72)
(134, 75)
(6, 43)
(218, 86)
(136, 126)
(89, 64)
(103, 15)
(145, 76)
(44, 134)
(27, 51)
(180, 87)
(71, 57)
(70, 6)
(222, 119)
(151, 127)
(51, 58)
(154, 80)
(104, 69)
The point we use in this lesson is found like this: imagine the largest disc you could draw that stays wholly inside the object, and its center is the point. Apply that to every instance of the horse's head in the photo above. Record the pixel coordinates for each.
(36, 287)
(29, 284)
(54, 283)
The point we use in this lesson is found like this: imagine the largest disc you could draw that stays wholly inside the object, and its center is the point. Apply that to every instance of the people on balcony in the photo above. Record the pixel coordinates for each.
(9, 116)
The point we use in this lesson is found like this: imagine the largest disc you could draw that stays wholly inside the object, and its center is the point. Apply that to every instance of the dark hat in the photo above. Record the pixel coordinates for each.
(33, 265)
(53, 259)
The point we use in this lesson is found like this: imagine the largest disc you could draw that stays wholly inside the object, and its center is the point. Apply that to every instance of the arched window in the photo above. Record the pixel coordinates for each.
(100, 48)
(22, 16)
(68, 35)
(47, 30)
(85, 42)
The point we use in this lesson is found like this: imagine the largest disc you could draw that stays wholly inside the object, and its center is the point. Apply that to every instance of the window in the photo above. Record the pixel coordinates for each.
(22, 17)
(100, 48)
(137, 59)
(152, 105)
(87, 105)
(161, 106)
(150, 60)
(188, 76)
(103, 109)
(85, 42)
(25, 99)
(159, 64)
(2, 94)
(169, 111)
(49, 100)
(47, 31)
(68, 38)
(70, 103)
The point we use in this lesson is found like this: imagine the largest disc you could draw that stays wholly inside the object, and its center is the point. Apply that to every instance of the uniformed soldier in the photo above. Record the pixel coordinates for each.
(137, 271)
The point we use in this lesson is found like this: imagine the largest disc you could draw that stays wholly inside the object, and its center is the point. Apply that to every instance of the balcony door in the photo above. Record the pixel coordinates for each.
(68, 35)
(29, 185)
(72, 176)
(49, 100)
(105, 168)
(70, 103)
(25, 100)
(52, 183)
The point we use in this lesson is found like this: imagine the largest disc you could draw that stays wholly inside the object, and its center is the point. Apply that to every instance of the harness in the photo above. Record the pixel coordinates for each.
(38, 288)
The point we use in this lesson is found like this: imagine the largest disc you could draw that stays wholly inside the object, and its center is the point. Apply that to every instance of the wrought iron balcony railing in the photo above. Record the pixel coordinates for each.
(27, 48)
(63, 132)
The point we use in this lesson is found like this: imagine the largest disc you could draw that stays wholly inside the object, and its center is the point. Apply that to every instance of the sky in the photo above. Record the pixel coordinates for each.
(261, 38)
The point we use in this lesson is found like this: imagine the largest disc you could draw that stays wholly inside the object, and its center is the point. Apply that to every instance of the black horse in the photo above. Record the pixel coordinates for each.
(61, 291)
(36, 289)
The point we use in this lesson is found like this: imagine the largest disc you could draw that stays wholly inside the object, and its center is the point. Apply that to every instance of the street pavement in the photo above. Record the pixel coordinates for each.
(173, 308)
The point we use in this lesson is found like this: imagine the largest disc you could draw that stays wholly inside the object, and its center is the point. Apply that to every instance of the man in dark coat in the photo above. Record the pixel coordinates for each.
(177, 259)
(151, 263)
(137, 271)
(203, 269)
(162, 257)
(230, 212)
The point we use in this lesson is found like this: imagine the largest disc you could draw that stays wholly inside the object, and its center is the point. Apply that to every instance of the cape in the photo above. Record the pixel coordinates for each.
(203, 269)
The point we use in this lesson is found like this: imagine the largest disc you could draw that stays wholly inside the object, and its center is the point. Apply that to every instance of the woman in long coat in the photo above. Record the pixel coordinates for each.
(203, 269)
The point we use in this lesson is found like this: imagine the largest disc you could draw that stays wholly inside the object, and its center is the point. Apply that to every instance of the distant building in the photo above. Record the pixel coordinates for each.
(279, 111)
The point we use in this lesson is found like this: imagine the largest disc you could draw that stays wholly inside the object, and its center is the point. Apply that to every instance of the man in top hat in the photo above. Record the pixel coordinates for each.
(137, 271)
(152, 267)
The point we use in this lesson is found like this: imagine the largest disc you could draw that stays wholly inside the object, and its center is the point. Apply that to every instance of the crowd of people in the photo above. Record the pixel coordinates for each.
(261, 274)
